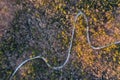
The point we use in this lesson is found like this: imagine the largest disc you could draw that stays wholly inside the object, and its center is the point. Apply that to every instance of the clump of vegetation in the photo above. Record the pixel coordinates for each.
(43, 27)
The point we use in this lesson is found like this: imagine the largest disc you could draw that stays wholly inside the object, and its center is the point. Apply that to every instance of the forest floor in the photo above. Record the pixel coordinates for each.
(30, 28)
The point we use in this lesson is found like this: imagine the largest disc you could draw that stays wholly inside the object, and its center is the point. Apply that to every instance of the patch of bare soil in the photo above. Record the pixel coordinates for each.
(7, 12)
